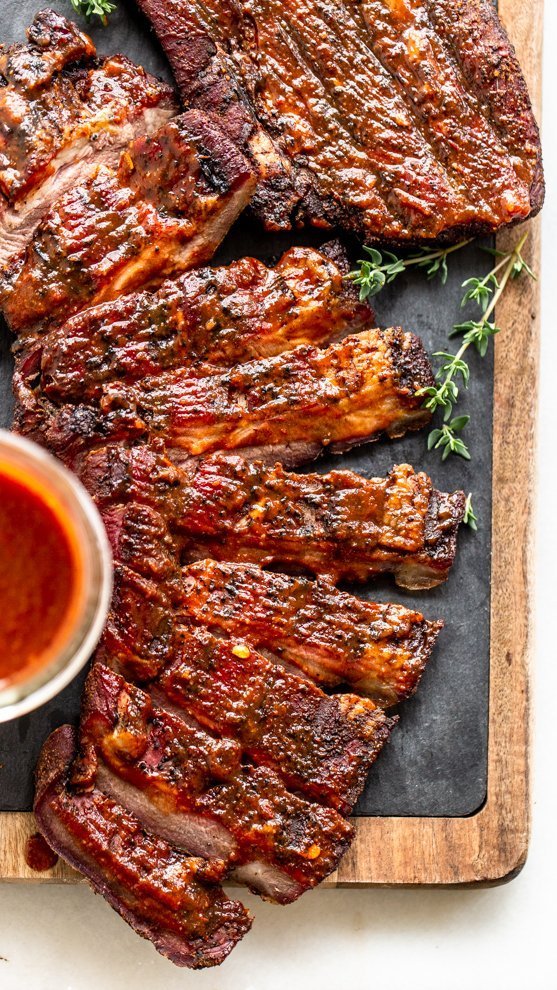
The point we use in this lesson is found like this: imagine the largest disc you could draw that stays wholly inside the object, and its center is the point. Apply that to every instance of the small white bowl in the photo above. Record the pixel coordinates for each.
(31, 460)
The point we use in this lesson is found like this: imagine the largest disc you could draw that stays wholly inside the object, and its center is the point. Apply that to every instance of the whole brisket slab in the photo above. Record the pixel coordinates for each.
(403, 121)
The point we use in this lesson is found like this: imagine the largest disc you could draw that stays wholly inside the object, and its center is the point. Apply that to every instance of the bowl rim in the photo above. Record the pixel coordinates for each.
(40, 459)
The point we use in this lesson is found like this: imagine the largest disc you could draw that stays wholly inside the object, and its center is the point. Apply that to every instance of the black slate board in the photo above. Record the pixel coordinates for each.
(436, 763)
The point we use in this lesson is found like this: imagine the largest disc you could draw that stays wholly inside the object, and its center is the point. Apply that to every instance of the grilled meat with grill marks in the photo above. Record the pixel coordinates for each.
(285, 408)
(165, 209)
(339, 525)
(206, 750)
(377, 649)
(208, 319)
(61, 110)
(166, 896)
(321, 745)
(197, 793)
(404, 121)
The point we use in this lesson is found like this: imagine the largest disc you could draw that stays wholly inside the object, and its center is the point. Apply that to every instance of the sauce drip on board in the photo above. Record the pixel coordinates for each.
(41, 580)
(38, 854)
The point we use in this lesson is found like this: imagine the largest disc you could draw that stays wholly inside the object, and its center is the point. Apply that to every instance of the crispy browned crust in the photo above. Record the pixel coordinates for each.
(436, 134)
(176, 765)
(490, 65)
(321, 746)
(62, 110)
(339, 525)
(208, 319)
(335, 638)
(165, 896)
(207, 79)
(285, 408)
(171, 201)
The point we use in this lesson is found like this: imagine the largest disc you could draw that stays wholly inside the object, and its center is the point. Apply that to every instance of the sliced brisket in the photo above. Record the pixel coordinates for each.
(62, 110)
(165, 209)
(198, 792)
(286, 408)
(321, 745)
(339, 525)
(166, 896)
(207, 319)
(335, 638)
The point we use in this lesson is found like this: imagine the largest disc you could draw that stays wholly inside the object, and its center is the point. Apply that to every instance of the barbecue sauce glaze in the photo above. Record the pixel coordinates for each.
(40, 577)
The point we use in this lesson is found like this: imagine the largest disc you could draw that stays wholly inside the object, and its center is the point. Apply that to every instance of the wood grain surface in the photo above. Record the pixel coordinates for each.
(490, 846)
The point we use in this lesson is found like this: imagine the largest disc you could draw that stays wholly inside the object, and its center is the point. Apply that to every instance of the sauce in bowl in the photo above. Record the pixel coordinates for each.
(55, 576)
(41, 576)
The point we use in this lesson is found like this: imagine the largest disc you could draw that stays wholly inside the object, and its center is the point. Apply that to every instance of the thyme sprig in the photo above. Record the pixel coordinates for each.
(381, 268)
(454, 372)
(94, 8)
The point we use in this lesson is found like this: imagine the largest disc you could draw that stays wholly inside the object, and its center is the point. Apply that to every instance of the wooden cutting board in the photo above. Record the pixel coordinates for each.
(490, 845)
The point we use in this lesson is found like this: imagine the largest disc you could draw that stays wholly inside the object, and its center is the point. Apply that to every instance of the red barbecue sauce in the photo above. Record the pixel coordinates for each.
(41, 576)
(38, 854)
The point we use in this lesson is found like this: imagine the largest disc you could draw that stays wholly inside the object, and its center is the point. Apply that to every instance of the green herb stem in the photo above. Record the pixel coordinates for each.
(444, 394)
(470, 518)
(381, 268)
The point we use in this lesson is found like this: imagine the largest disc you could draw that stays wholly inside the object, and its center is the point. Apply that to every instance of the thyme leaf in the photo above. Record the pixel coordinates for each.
(94, 8)
(470, 518)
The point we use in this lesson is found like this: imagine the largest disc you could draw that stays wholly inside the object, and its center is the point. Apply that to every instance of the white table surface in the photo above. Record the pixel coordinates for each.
(64, 938)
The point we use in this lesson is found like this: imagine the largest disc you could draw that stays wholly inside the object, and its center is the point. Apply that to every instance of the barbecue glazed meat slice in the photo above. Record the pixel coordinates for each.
(170, 898)
(321, 745)
(140, 631)
(402, 121)
(339, 525)
(198, 53)
(210, 318)
(379, 650)
(285, 408)
(194, 791)
(62, 109)
(165, 209)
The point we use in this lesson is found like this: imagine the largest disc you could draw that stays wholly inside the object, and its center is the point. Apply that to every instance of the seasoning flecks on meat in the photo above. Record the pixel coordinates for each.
(377, 649)
(165, 209)
(198, 793)
(62, 110)
(403, 121)
(286, 408)
(208, 319)
(165, 895)
(338, 525)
